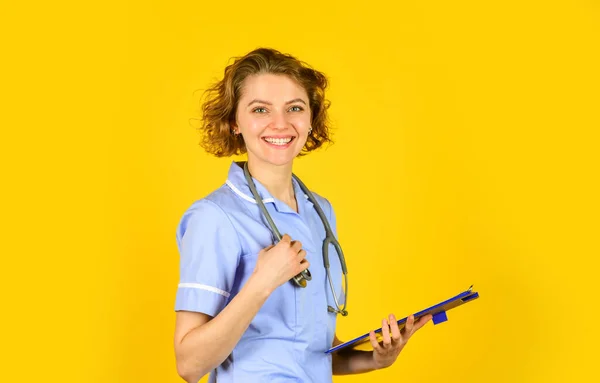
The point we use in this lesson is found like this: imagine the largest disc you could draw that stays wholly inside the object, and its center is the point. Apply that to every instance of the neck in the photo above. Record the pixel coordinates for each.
(276, 179)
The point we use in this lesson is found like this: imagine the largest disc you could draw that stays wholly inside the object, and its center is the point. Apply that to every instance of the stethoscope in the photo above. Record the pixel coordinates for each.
(305, 276)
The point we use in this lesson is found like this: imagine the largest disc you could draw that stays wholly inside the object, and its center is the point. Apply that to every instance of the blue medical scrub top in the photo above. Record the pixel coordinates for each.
(219, 238)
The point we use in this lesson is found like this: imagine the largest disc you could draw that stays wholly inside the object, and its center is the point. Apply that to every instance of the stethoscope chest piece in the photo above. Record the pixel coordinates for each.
(301, 280)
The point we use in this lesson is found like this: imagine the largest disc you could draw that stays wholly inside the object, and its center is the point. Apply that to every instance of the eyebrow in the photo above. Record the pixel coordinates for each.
(268, 103)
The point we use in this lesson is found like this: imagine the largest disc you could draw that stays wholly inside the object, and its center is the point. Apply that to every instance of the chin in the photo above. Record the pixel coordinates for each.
(279, 159)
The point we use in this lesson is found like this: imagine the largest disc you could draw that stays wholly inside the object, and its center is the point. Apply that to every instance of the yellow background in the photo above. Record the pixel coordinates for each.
(466, 152)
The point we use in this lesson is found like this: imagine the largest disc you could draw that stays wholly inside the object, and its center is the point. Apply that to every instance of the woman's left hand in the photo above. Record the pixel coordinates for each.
(394, 339)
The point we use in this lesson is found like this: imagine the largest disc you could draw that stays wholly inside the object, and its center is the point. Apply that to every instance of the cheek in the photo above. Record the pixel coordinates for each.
(301, 121)
(252, 123)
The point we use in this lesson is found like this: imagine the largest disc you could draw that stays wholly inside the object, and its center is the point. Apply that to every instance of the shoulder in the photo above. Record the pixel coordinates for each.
(324, 203)
(212, 209)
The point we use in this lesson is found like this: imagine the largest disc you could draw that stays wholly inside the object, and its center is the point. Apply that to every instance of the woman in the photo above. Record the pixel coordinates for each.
(238, 315)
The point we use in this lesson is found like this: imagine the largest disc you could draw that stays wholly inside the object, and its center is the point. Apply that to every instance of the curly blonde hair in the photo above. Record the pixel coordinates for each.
(220, 106)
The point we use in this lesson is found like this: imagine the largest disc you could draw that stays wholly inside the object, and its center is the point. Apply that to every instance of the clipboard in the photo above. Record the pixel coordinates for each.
(438, 312)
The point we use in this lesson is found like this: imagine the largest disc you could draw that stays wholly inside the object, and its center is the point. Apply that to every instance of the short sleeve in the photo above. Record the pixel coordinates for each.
(209, 251)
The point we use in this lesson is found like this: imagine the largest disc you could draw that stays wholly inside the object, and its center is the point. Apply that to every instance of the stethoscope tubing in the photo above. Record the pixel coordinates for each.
(301, 278)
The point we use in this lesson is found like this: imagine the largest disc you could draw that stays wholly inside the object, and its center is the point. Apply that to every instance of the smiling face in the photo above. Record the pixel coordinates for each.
(273, 116)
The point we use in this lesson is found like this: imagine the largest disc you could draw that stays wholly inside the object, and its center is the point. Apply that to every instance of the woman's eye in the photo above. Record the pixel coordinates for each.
(259, 110)
(296, 109)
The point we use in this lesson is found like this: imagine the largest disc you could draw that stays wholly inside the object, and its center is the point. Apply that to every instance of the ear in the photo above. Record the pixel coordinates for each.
(234, 127)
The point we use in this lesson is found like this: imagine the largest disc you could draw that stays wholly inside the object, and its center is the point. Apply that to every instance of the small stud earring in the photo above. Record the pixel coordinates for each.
(309, 130)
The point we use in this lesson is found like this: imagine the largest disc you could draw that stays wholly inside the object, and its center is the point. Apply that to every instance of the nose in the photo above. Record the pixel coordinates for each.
(280, 120)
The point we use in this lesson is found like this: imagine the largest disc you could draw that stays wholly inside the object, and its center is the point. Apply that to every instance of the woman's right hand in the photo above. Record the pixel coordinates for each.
(279, 263)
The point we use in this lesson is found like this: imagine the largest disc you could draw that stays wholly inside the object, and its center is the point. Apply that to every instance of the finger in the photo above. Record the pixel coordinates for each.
(422, 321)
(268, 248)
(385, 331)
(374, 343)
(301, 255)
(286, 238)
(296, 245)
(395, 329)
(304, 264)
(410, 323)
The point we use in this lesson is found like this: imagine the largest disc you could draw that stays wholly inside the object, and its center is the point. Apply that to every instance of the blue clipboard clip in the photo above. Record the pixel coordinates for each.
(438, 313)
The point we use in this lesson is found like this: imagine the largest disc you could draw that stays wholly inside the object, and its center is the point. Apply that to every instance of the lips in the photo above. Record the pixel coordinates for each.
(279, 142)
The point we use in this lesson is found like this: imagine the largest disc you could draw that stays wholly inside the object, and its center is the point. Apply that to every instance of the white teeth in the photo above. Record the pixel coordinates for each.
(278, 141)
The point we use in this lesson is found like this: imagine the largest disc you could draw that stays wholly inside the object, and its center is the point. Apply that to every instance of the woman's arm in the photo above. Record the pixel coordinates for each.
(346, 362)
(202, 342)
